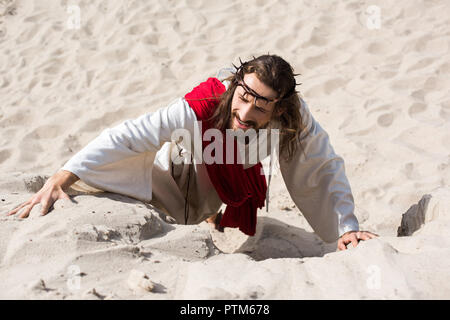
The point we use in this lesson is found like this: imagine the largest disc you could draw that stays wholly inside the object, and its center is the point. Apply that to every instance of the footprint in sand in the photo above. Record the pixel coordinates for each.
(418, 94)
(37, 17)
(262, 3)
(71, 144)
(53, 66)
(166, 72)
(27, 35)
(89, 76)
(137, 29)
(444, 68)
(416, 108)
(5, 82)
(46, 84)
(45, 132)
(377, 48)
(17, 119)
(115, 55)
(446, 105)
(373, 193)
(134, 87)
(151, 39)
(31, 150)
(316, 61)
(188, 21)
(4, 155)
(423, 63)
(2, 30)
(284, 42)
(409, 170)
(318, 38)
(385, 120)
(106, 120)
(191, 56)
(334, 84)
(444, 115)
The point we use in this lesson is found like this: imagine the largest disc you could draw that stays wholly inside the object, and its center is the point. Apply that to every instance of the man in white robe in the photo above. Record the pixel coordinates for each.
(135, 158)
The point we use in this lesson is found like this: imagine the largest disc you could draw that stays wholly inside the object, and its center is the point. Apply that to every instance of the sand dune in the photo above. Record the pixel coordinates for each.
(99, 241)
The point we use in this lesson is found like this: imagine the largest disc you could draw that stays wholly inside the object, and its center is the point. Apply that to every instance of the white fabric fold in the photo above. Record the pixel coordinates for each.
(317, 183)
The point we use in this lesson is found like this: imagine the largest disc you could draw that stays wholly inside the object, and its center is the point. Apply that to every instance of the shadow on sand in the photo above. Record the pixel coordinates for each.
(280, 240)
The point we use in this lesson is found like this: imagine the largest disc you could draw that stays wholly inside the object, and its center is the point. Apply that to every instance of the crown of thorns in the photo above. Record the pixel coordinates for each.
(239, 76)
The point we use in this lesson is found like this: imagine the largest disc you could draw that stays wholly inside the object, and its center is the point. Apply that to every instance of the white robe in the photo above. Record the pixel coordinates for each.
(135, 158)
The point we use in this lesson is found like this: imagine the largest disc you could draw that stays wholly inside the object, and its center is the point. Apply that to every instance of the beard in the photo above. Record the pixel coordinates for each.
(251, 125)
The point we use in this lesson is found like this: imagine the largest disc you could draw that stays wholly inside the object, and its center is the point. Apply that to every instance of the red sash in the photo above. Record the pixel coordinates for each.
(242, 190)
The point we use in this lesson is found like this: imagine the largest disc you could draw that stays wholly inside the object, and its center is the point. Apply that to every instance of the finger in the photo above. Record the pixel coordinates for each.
(14, 211)
(364, 236)
(26, 212)
(341, 245)
(45, 205)
(371, 235)
(64, 196)
(354, 240)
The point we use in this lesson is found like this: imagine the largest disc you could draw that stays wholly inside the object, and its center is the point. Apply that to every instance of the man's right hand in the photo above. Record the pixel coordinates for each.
(52, 191)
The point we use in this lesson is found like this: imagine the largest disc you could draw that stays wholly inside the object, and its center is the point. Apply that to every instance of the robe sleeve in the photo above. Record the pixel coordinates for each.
(317, 182)
(120, 159)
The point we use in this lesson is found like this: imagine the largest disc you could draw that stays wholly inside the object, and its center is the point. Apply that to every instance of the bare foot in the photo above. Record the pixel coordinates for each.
(215, 221)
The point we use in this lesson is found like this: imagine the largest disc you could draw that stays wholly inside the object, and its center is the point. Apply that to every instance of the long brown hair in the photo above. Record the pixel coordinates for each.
(278, 74)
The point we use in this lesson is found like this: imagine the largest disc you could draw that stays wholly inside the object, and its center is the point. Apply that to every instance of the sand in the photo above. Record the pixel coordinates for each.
(380, 88)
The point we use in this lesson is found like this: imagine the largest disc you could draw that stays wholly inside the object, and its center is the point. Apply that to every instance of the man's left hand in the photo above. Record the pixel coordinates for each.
(354, 237)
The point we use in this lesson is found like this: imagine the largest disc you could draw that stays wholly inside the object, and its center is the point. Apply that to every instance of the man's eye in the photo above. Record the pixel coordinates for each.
(261, 109)
(257, 108)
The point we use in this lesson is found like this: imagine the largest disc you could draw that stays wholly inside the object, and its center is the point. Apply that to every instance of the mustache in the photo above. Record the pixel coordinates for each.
(250, 123)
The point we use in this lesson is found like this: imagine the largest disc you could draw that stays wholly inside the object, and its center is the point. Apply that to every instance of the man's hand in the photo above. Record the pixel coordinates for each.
(354, 237)
(53, 190)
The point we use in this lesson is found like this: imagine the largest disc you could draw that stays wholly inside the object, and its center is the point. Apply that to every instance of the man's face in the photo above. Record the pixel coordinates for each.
(247, 113)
